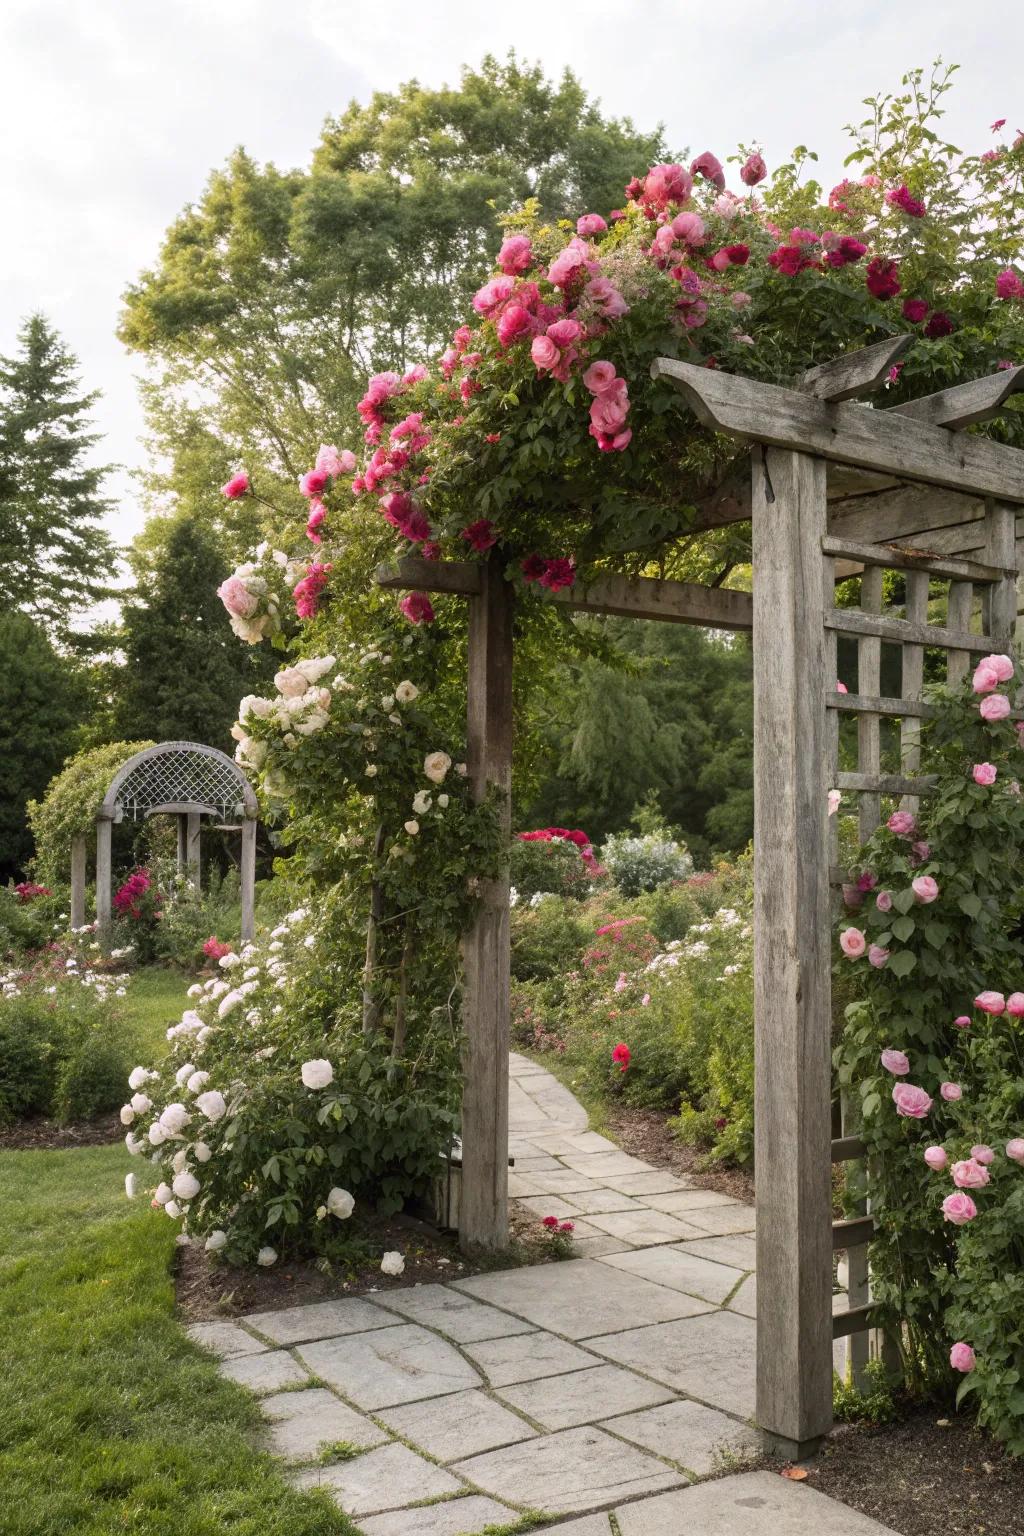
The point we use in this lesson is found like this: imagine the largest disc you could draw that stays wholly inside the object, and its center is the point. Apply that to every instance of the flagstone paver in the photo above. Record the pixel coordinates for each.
(391, 1366)
(568, 1472)
(302, 1422)
(605, 1383)
(583, 1397)
(387, 1478)
(455, 1517)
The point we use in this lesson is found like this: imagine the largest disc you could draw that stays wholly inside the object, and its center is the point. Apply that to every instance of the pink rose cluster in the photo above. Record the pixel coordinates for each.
(609, 408)
(308, 592)
(330, 464)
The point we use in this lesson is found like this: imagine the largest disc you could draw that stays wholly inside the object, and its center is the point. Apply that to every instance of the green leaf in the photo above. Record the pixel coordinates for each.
(902, 963)
(970, 905)
(903, 927)
(904, 900)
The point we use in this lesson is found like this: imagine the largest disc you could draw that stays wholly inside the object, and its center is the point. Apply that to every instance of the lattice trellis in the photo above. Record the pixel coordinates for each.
(182, 774)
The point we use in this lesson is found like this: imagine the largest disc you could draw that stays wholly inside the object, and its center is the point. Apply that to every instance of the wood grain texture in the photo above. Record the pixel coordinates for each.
(857, 703)
(965, 404)
(672, 602)
(853, 434)
(103, 874)
(414, 574)
(248, 878)
(912, 660)
(850, 621)
(1000, 545)
(792, 951)
(78, 861)
(901, 557)
(484, 1196)
(959, 606)
(869, 669)
(855, 373)
(887, 783)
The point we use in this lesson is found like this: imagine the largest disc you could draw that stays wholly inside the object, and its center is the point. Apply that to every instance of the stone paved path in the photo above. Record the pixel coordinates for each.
(600, 1390)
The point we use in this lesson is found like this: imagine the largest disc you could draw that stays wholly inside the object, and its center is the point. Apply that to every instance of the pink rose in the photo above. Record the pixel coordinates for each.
(564, 332)
(959, 1209)
(902, 824)
(984, 679)
(951, 1092)
(333, 462)
(925, 889)
(417, 608)
(513, 322)
(969, 1175)
(983, 1154)
(710, 167)
(313, 482)
(883, 901)
(567, 266)
(895, 1062)
(1015, 1149)
(1001, 665)
(516, 255)
(936, 1157)
(1015, 1005)
(852, 943)
(993, 707)
(599, 377)
(878, 956)
(544, 352)
(487, 298)
(962, 1357)
(753, 170)
(912, 1103)
(689, 228)
(606, 298)
(962, 1022)
(236, 486)
(667, 184)
(237, 598)
(991, 1002)
(608, 412)
(590, 224)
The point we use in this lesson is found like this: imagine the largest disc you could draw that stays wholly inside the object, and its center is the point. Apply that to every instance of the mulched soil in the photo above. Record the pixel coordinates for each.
(47, 1136)
(207, 1289)
(644, 1133)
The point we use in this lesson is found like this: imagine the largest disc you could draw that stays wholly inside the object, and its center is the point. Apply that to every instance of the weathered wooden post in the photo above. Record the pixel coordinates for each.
(104, 827)
(248, 877)
(193, 855)
(78, 859)
(484, 1209)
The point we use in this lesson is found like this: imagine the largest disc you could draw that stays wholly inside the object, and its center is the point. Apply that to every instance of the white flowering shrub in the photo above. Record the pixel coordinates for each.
(639, 864)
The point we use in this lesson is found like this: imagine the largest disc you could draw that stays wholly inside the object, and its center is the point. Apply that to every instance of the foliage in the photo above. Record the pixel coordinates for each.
(274, 1099)
(874, 1404)
(68, 809)
(549, 866)
(643, 863)
(29, 924)
(183, 673)
(939, 917)
(114, 1420)
(42, 700)
(64, 1042)
(190, 916)
(55, 557)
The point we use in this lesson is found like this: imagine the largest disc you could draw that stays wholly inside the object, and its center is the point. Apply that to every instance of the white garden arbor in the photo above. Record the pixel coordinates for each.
(833, 490)
(184, 779)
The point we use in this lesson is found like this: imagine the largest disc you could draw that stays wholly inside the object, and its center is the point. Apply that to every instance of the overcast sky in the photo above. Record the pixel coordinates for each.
(113, 112)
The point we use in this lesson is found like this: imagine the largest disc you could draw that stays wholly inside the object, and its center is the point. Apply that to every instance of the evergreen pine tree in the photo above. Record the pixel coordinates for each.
(55, 557)
(185, 670)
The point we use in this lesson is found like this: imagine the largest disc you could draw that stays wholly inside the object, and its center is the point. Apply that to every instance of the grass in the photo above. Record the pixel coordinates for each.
(112, 1420)
(156, 999)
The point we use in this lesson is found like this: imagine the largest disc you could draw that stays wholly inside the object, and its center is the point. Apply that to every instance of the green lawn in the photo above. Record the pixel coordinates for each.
(111, 1421)
(156, 999)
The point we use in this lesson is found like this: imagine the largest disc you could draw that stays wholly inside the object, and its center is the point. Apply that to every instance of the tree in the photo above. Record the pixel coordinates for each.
(184, 670)
(279, 292)
(42, 700)
(55, 557)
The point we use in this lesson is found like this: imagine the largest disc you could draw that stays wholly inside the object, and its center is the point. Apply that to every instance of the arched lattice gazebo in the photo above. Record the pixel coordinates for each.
(184, 779)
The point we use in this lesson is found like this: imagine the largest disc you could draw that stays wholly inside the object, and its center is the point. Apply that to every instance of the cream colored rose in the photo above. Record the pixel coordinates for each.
(436, 766)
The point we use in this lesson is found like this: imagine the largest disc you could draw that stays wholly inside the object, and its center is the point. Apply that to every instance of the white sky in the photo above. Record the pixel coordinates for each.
(113, 112)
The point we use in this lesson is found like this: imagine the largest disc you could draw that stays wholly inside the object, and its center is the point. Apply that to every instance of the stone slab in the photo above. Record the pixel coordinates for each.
(271, 1372)
(645, 1228)
(711, 1357)
(598, 1164)
(681, 1200)
(527, 1357)
(552, 1205)
(745, 1300)
(562, 1182)
(579, 1297)
(590, 1141)
(380, 1480)
(641, 1184)
(392, 1366)
(590, 1525)
(454, 1314)
(567, 1472)
(598, 1247)
(749, 1504)
(461, 1425)
(722, 1221)
(319, 1320)
(582, 1397)
(738, 1250)
(455, 1517)
(538, 1162)
(687, 1433)
(225, 1339)
(302, 1422)
(595, 1202)
(680, 1271)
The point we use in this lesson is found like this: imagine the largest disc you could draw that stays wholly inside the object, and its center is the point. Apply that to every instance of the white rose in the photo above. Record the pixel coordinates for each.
(133, 1144)
(461, 770)
(266, 1257)
(392, 1264)
(140, 1103)
(387, 703)
(201, 1152)
(162, 1194)
(216, 1241)
(252, 704)
(313, 668)
(196, 1081)
(436, 766)
(138, 1078)
(228, 1004)
(174, 1119)
(371, 770)
(412, 827)
(195, 990)
(173, 1209)
(156, 1133)
(239, 734)
(131, 1185)
(317, 1074)
(406, 692)
(179, 1159)
(421, 802)
(341, 1204)
(443, 802)
(290, 682)
(127, 1114)
(185, 1185)
(212, 1104)
(184, 1072)
(229, 961)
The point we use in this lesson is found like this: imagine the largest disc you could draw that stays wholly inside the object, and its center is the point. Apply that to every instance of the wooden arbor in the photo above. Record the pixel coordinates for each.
(184, 779)
(832, 490)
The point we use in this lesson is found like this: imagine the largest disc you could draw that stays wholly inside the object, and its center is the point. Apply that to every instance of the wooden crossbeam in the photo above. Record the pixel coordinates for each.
(852, 1233)
(885, 783)
(850, 621)
(904, 511)
(846, 1149)
(673, 602)
(868, 704)
(900, 557)
(855, 373)
(853, 1321)
(965, 404)
(463, 577)
(853, 434)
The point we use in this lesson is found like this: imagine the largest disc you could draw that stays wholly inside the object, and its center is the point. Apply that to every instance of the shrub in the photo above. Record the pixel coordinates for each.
(68, 809)
(27, 924)
(191, 917)
(548, 940)
(643, 863)
(549, 867)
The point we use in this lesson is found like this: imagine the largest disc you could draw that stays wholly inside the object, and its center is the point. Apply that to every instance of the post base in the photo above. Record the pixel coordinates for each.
(793, 1450)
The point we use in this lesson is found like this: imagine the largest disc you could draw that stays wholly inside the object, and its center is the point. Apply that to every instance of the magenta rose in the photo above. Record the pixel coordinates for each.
(925, 889)
(753, 170)
(516, 255)
(962, 1358)
(936, 1157)
(564, 332)
(236, 486)
(991, 1002)
(853, 944)
(895, 1062)
(912, 1103)
(969, 1174)
(959, 1209)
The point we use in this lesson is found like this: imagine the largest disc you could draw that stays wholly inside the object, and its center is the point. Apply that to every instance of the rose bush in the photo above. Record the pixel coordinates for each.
(932, 1051)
